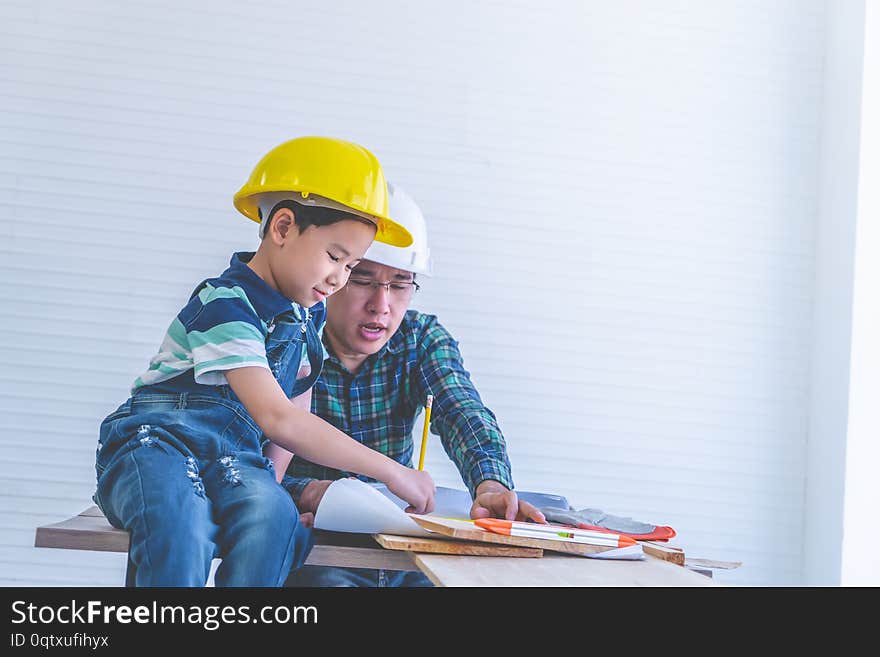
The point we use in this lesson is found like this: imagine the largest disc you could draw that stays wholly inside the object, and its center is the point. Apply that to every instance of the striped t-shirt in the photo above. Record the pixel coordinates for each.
(223, 327)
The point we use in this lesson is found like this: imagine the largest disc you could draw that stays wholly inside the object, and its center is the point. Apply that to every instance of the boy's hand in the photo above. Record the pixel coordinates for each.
(413, 486)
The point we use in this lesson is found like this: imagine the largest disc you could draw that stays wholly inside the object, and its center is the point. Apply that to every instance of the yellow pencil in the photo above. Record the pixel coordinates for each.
(428, 403)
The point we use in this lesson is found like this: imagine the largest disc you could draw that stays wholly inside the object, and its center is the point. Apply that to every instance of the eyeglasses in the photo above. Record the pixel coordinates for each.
(366, 287)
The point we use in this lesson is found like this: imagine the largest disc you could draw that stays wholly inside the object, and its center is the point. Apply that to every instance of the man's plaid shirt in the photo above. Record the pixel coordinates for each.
(379, 404)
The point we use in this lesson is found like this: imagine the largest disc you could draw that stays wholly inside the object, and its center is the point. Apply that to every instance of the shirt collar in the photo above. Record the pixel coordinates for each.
(396, 344)
(267, 301)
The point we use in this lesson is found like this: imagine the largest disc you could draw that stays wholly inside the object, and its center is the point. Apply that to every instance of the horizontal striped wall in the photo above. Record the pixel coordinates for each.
(621, 204)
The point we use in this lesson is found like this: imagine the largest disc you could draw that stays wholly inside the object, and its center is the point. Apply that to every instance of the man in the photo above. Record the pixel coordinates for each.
(383, 360)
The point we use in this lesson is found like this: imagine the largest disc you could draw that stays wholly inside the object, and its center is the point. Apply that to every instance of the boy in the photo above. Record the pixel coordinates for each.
(180, 463)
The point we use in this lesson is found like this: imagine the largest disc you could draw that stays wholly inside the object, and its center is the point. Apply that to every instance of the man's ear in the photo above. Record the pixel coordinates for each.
(282, 223)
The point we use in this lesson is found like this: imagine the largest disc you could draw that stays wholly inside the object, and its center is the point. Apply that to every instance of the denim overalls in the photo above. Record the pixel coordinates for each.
(180, 465)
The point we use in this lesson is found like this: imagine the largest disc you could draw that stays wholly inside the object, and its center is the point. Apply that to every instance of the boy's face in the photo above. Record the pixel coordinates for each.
(308, 267)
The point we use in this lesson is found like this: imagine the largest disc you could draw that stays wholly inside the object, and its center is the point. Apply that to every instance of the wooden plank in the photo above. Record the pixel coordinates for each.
(711, 564)
(90, 530)
(454, 546)
(468, 531)
(93, 511)
(360, 557)
(83, 532)
(670, 553)
(555, 570)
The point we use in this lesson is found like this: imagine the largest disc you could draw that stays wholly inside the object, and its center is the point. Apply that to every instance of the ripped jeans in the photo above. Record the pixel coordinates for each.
(184, 472)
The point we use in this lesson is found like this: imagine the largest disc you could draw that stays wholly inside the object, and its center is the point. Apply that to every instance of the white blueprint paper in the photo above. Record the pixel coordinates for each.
(629, 553)
(351, 505)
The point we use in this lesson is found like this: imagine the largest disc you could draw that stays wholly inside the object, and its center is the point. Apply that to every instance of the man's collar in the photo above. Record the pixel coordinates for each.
(396, 344)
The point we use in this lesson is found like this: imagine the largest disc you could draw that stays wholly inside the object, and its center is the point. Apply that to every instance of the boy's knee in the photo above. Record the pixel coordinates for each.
(266, 504)
(278, 504)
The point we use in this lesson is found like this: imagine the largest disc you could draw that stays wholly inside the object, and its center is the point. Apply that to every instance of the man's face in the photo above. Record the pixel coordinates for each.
(362, 317)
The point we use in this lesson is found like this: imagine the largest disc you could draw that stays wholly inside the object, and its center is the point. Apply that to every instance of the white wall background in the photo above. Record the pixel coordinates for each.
(623, 209)
(860, 565)
(835, 236)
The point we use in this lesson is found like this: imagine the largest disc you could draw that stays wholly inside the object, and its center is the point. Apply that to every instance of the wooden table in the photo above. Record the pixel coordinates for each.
(90, 531)
(555, 570)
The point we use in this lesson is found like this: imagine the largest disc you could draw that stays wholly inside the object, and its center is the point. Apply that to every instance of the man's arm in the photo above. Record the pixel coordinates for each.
(468, 430)
(312, 493)
(306, 493)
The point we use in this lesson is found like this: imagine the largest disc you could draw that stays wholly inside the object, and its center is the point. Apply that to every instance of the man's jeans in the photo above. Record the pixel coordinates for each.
(331, 576)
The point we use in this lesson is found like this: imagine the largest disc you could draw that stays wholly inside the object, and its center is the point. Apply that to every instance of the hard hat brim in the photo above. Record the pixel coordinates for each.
(388, 231)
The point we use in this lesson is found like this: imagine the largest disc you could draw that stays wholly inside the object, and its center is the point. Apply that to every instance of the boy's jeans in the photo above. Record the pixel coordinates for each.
(180, 465)
(183, 511)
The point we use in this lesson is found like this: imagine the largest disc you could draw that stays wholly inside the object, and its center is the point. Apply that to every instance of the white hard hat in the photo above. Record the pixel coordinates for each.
(417, 256)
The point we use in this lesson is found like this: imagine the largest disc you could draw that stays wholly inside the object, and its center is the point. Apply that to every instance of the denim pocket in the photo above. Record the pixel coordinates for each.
(284, 346)
(222, 422)
(284, 357)
(108, 437)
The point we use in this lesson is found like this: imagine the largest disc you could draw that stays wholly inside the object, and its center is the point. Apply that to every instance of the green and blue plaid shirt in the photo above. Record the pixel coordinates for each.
(379, 404)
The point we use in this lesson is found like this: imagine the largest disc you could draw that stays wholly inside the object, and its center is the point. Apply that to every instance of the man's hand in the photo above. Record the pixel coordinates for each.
(494, 500)
(311, 496)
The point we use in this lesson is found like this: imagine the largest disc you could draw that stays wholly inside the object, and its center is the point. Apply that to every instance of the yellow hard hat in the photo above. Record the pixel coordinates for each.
(342, 174)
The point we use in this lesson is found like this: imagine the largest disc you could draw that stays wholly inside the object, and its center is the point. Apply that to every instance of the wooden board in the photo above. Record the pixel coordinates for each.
(447, 546)
(712, 563)
(87, 531)
(670, 553)
(470, 532)
(556, 570)
(90, 531)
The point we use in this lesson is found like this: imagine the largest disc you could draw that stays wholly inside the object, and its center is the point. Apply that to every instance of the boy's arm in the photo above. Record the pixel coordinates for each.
(299, 431)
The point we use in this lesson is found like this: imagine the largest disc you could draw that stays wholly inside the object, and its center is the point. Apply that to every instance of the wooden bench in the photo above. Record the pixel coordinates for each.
(90, 530)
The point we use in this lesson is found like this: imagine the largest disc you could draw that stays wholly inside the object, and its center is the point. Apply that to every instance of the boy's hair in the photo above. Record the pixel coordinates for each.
(311, 215)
